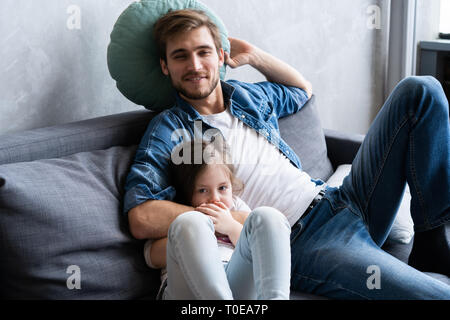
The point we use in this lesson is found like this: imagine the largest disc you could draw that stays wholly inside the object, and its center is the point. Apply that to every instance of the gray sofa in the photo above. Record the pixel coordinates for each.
(63, 235)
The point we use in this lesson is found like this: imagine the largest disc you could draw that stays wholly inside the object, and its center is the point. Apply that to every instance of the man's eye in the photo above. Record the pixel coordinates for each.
(204, 53)
(179, 57)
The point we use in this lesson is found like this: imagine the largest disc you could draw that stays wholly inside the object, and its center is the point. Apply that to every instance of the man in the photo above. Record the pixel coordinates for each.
(334, 244)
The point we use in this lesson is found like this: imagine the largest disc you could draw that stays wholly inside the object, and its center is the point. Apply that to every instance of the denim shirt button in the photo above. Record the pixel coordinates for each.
(242, 116)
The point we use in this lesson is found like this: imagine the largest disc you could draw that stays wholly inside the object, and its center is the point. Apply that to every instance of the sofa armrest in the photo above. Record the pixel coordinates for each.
(342, 147)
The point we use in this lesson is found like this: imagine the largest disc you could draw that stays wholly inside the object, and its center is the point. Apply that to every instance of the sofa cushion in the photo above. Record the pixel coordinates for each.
(133, 57)
(60, 222)
(304, 134)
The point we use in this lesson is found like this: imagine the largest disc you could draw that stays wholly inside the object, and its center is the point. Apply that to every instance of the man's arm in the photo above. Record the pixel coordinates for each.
(158, 253)
(272, 68)
(151, 219)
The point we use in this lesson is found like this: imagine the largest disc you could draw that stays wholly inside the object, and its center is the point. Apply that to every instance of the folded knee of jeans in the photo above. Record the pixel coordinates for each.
(269, 216)
(189, 224)
(426, 84)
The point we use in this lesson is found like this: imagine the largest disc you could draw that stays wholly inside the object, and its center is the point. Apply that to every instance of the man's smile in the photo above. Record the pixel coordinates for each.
(194, 77)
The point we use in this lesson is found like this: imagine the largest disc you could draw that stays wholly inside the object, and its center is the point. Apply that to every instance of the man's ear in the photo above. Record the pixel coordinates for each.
(164, 68)
(221, 57)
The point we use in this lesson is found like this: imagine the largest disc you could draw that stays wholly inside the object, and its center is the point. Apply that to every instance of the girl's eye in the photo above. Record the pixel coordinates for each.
(203, 190)
(221, 188)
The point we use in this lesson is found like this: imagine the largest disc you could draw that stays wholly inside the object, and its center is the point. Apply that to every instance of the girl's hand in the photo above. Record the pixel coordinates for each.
(222, 219)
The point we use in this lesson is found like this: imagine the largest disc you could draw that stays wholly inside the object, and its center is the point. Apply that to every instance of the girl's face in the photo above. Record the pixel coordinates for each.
(213, 184)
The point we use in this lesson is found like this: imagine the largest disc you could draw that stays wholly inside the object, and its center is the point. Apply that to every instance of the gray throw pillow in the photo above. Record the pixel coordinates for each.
(62, 234)
(304, 134)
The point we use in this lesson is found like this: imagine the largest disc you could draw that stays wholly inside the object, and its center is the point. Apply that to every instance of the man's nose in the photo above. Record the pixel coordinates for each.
(194, 63)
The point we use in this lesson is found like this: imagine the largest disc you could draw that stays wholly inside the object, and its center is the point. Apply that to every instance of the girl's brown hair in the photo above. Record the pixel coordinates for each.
(183, 175)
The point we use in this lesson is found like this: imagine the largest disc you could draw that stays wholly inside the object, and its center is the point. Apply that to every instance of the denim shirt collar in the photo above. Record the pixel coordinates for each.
(192, 113)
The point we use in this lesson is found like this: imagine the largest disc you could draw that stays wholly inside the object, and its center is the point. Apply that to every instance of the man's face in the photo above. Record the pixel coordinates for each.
(193, 63)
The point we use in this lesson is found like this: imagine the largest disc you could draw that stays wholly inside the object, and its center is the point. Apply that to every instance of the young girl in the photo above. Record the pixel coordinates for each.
(202, 262)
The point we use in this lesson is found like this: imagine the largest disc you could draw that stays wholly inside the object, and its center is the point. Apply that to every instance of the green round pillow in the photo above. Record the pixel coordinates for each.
(133, 59)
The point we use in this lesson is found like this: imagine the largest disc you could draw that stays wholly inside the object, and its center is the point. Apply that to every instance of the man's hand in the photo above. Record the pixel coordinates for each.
(240, 53)
(223, 220)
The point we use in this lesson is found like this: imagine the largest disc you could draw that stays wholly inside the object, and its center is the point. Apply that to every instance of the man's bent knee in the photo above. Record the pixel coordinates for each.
(425, 84)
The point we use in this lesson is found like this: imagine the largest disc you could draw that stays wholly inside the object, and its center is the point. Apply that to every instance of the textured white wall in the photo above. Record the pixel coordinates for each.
(50, 74)
(328, 42)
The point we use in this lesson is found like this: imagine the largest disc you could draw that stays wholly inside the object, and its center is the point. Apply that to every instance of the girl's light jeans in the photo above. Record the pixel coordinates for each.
(259, 267)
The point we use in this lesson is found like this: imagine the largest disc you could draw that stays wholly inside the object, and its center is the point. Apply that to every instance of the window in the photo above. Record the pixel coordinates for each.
(444, 25)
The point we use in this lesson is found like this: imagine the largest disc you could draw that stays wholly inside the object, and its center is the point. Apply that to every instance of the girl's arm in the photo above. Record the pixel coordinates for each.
(234, 233)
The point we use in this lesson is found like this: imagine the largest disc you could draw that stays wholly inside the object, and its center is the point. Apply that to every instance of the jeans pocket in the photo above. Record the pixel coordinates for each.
(296, 231)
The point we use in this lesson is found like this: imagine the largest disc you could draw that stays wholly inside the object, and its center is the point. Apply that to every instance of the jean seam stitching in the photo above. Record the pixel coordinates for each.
(337, 285)
(439, 222)
(156, 126)
(184, 269)
(248, 234)
(416, 184)
(383, 163)
(344, 206)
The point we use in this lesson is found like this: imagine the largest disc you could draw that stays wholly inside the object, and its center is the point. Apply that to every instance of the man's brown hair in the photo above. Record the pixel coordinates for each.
(180, 21)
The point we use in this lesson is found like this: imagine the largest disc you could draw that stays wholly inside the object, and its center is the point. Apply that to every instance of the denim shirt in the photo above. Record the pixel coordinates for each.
(258, 105)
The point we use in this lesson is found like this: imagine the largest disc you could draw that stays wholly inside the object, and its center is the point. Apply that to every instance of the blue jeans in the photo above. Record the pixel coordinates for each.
(259, 267)
(336, 248)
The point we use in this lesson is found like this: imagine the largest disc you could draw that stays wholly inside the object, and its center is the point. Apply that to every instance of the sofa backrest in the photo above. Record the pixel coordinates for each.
(304, 134)
(302, 131)
(120, 129)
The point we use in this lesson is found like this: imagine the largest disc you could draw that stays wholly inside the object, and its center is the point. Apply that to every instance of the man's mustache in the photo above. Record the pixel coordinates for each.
(195, 75)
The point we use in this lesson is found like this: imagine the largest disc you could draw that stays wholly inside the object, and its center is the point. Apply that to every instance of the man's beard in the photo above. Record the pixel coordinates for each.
(197, 95)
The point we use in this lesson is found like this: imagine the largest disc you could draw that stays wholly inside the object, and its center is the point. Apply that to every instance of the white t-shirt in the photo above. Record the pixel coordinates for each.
(269, 177)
